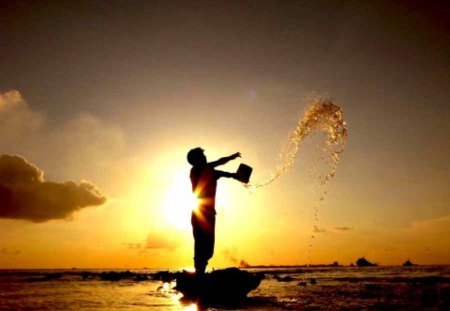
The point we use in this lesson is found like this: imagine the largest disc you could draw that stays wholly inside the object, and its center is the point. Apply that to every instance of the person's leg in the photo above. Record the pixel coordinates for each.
(199, 229)
(204, 238)
(200, 257)
(210, 237)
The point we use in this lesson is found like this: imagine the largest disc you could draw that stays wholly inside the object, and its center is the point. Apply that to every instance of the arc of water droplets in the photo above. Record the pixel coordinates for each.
(322, 115)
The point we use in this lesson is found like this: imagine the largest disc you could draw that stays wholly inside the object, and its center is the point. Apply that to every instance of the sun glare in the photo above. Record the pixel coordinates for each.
(179, 202)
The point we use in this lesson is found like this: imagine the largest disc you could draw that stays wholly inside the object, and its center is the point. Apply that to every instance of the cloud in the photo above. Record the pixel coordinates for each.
(76, 145)
(8, 252)
(10, 99)
(438, 225)
(161, 241)
(25, 194)
(343, 228)
(230, 255)
(19, 125)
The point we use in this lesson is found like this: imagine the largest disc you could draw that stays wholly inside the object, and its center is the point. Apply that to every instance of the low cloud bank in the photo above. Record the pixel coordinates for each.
(161, 242)
(24, 194)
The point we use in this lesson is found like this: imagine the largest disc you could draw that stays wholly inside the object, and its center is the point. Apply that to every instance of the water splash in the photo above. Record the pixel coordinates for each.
(322, 115)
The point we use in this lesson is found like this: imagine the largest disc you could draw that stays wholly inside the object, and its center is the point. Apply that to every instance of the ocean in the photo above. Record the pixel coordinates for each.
(283, 288)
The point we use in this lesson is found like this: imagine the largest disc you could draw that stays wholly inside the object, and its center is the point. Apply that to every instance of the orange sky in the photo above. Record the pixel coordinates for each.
(100, 103)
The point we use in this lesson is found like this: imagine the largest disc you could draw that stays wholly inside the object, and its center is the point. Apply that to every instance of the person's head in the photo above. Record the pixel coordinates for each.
(196, 157)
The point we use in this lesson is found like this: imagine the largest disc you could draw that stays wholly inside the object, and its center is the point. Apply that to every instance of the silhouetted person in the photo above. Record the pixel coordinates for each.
(204, 183)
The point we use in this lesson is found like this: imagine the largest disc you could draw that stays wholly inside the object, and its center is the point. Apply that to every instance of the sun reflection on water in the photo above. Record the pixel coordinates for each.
(167, 290)
(192, 307)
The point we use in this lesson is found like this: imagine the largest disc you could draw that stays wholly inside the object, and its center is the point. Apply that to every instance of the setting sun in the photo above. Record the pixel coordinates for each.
(179, 202)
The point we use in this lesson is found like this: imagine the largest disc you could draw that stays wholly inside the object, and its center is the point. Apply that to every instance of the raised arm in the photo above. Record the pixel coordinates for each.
(225, 160)
(220, 174)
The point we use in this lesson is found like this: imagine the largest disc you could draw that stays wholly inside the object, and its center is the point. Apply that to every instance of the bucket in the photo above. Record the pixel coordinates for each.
(243, 173)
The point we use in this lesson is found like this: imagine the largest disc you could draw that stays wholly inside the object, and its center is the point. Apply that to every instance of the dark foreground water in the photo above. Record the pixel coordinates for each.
(329, 288)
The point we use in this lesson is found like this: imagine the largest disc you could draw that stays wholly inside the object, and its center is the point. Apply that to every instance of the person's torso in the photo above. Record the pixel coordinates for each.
(204, 184)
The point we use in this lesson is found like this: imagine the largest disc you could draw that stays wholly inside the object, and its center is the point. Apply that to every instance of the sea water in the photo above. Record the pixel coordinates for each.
(284, 288)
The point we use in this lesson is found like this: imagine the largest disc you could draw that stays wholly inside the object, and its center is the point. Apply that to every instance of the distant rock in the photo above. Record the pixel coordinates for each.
(47, 277)
(283, 279)
(408, 263)
(363, 262)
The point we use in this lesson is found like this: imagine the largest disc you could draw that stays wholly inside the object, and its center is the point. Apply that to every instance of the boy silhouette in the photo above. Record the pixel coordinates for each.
(204, 178)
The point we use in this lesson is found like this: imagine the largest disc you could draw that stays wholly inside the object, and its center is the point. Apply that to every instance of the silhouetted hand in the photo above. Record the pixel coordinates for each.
(236, 155)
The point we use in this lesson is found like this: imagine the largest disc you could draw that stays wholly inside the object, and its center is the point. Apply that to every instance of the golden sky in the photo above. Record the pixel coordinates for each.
(100, 102)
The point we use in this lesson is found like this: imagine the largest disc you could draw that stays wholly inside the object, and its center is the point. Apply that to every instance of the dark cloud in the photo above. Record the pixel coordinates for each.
(6, 251)
(343, 228)
(25, 195)
(230, 255)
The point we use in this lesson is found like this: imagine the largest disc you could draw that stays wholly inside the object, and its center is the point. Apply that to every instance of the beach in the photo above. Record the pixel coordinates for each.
(283, 288)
